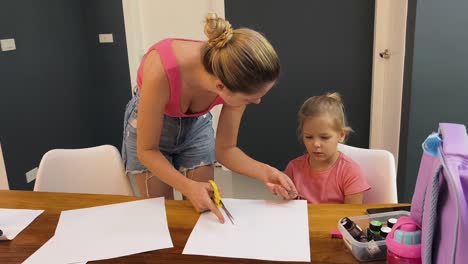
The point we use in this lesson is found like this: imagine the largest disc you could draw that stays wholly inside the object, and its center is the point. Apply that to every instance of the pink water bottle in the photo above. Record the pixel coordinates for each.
(404, 242)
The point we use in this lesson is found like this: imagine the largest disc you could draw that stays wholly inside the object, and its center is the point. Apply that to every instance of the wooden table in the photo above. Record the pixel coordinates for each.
(181, 219)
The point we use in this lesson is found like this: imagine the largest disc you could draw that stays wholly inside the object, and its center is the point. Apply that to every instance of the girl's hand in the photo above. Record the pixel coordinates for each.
(199, 196)
(279, 183)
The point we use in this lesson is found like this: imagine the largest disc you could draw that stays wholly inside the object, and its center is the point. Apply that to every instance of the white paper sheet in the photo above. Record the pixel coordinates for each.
(267, 230)
(13, 221)
(106, 232)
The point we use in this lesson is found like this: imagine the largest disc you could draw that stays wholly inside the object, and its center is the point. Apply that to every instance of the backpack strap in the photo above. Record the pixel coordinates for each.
(455, 139)
(433, 189)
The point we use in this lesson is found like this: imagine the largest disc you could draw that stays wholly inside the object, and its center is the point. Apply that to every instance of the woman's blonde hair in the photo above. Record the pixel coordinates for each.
(330, 104)
(241, 58)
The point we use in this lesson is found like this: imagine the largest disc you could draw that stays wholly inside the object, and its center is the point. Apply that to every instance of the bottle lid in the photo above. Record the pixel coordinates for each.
(375, 225)
(346, 222)
(384, 231)
(391, 222)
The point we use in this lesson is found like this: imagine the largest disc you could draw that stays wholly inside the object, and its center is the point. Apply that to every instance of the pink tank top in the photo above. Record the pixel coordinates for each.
(168, 59)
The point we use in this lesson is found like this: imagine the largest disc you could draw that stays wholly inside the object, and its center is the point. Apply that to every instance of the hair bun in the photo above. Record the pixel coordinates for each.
(218, 30)
(335, 96)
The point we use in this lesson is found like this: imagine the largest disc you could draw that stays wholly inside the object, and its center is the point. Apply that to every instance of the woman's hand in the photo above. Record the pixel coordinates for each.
(279, 183)
(199, 195)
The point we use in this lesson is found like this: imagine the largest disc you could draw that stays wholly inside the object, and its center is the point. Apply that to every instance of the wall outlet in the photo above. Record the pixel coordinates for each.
(7, 44)
(106, 38)
(31, 175)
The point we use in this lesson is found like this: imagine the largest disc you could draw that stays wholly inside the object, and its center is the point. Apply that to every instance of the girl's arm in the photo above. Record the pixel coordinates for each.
(153, 99)
(354, 198)
(236, 160)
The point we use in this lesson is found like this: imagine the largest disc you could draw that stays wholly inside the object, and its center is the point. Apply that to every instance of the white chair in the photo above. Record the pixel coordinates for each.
(97, 170)
(379, 169)
(3, 175)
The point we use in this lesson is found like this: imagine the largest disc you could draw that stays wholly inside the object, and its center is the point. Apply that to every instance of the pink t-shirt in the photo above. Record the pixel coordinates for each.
(171, 67)
(345, 177)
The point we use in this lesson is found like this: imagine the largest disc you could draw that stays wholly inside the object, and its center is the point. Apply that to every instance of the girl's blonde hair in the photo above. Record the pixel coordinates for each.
(330, 104)
(241, 58)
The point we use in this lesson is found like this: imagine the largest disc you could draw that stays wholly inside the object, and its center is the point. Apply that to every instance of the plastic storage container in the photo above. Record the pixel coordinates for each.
(372, 250)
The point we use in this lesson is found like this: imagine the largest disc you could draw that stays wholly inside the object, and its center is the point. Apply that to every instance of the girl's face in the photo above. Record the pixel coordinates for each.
(321, 138)
(241, 99)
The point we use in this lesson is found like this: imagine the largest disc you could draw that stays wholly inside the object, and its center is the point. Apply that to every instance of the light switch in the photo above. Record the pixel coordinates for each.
(31, 175)
(8, 44)
(106, 38)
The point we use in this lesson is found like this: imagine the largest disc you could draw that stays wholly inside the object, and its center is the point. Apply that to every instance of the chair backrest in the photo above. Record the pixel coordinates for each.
(379, 168)
(3, 175)
(97, 170)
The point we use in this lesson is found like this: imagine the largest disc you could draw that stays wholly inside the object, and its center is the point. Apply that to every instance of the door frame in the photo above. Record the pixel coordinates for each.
(3, 174)
(387, 75)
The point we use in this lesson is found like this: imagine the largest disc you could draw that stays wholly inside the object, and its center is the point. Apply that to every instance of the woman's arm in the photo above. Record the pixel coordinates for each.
(236, 160)
(153, 99)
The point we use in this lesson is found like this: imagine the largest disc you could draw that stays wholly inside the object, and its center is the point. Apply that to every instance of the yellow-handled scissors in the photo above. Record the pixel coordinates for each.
(218, 202)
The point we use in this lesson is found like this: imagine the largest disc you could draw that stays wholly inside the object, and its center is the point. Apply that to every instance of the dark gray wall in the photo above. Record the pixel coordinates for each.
(438, 89)
(59, 89)
(110, 70)
(324, 46)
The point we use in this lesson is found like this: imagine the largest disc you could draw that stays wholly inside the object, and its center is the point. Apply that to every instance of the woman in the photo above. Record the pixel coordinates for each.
(168, 135)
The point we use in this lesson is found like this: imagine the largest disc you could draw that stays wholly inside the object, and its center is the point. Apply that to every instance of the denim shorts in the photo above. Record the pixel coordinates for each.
(186, 142)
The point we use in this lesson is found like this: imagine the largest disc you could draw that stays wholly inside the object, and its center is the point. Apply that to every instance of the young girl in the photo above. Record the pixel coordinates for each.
(325, 175)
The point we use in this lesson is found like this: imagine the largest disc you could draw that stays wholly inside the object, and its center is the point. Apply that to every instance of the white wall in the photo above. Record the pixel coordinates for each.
(149, 21)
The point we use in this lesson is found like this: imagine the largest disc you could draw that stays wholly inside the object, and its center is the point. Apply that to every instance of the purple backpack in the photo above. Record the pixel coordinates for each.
(440, 199)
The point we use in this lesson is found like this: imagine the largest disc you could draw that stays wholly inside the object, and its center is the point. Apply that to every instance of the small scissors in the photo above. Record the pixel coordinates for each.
(218, 202)
(297, 194)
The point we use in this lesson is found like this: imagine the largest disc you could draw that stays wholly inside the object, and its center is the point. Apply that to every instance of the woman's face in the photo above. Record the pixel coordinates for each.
(240, 99)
